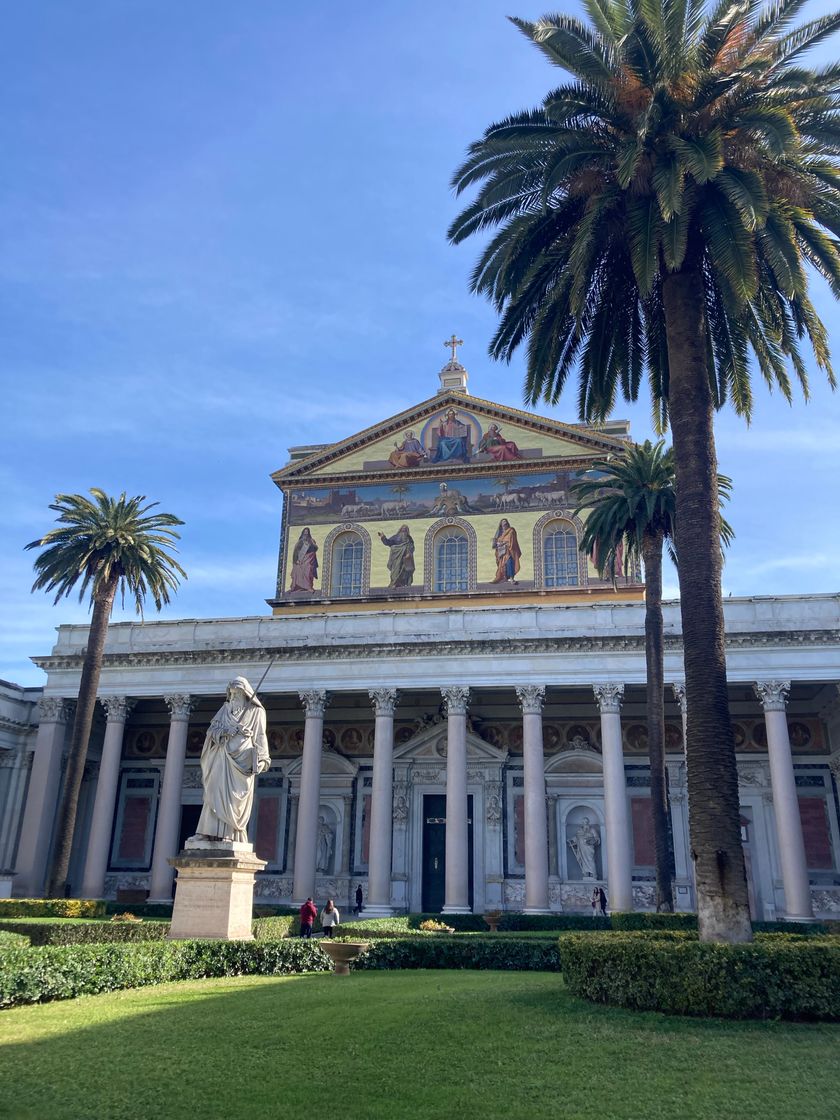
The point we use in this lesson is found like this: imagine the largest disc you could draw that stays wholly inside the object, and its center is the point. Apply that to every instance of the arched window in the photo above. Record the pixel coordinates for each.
(347, 564)
(451, 559)
(560, 555)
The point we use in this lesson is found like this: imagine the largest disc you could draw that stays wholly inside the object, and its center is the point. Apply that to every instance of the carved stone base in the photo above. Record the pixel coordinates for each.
(214, 896)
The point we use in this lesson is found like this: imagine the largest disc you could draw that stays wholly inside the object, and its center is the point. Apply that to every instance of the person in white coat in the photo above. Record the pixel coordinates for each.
(330, 918)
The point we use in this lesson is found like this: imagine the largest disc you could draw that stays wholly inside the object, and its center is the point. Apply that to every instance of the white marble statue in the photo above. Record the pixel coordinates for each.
(584, 845)
(325, 845)
(235, 751)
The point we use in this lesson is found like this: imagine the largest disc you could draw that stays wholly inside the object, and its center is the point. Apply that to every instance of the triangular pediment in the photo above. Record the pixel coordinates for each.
(429, 745)
(477, 427)
(583, 761)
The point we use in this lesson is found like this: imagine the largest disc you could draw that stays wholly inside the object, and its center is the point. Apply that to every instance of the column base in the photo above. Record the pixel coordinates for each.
(456, 910)
(536, 910)
(214, 898)
(795, 918)
(372, 911)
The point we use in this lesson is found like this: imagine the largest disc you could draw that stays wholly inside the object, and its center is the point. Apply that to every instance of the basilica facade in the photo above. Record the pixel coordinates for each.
(455, 700)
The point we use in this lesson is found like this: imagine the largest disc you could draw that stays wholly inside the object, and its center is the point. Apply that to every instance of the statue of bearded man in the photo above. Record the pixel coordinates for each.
(235, 751)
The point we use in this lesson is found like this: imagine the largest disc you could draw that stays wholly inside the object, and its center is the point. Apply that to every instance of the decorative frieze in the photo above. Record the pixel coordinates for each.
(678, 688)
(493, 803)
(772, 694)
(400, 804)
(55, 709)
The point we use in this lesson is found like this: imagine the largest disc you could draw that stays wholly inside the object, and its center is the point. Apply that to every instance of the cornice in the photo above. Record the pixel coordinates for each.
(431, 647)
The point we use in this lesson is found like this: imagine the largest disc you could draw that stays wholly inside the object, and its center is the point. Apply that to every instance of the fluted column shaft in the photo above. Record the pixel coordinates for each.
(306, 837)
(169, 803)
(619, 858)
(102, 822)
(381, 805)
(456, 874)
(536, 824)
(773, 695)
(41, 798)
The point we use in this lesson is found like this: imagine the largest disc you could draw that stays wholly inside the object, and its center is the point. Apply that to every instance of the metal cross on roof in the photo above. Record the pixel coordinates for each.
(452, 343)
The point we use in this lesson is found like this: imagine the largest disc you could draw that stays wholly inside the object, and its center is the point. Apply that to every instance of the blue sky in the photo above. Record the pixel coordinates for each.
(222, 233)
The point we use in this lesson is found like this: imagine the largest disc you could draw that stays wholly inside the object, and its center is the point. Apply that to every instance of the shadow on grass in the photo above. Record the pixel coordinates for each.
(400, 1044)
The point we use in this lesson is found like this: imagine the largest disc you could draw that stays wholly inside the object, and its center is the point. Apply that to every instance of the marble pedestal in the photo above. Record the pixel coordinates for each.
(214, 894)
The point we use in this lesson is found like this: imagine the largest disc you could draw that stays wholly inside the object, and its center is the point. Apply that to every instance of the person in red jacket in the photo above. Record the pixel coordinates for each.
(308, 914)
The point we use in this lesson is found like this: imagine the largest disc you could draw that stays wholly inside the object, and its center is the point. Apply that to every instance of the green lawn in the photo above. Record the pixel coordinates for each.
(401, 1045)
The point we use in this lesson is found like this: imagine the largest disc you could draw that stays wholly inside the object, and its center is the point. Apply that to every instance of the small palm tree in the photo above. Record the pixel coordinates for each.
(630, 509)
(103, 546)
(656, 218)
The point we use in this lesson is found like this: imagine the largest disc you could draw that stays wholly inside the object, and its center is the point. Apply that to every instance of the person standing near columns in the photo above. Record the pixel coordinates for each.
(169, 802)
(118, 709)
(456, 872)
(773, 697)
(42, 797)
(381, 804)
(536, 825)
(619, 859)
(306, 837)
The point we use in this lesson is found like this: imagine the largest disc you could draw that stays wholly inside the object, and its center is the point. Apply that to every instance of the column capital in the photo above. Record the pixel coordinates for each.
(315, 701)
(834, 765)
(118, 708)
(772, 694)
(54, 709)
(609, 695)
(531, 698)
(457, 699)
(678, 688)
(180, 705)
(384, 700)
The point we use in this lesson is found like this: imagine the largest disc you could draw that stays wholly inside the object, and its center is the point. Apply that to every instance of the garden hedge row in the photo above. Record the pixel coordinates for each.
(52, 908)
(500, 954)
(777, 976)
(36, 975)
(86, 932)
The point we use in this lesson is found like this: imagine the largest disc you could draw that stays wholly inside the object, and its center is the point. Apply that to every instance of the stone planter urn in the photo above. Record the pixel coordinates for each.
(341, 953)
(492, 918)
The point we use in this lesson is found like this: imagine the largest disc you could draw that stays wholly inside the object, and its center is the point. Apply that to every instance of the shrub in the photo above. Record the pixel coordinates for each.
(61, 931)
(432, 926)
(10, 940)
(802, 929)
(503, 954)
(52, 908)
(140, 909)
(36, 975)
(274, 929)
(783, 977)
(632, 920)
(555, 922)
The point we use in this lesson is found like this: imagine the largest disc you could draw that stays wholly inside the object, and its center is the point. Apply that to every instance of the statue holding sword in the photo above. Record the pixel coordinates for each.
(235, 751)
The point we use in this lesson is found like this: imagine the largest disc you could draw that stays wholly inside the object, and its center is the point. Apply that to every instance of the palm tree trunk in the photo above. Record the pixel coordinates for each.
(714, 810)
(654, 664)
(88, 688)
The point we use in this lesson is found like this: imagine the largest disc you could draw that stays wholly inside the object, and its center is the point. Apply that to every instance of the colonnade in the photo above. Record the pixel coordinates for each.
(46, 774)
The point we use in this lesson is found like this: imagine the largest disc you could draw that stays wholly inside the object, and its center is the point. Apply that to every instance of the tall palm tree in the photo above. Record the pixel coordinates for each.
(656, 214)
(103, 546)
(630, 511)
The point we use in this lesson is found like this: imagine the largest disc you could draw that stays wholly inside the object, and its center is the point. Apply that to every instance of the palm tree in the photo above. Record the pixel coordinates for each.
(108, 544)
(656, 214)
(630, 510)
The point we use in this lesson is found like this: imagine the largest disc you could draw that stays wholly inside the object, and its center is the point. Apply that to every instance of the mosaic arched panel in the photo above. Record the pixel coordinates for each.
(333, 538)
(429, 565)
(575, 525)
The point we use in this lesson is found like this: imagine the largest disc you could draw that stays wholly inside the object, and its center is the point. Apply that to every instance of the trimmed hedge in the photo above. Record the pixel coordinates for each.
(775, 977)
(66, 971)
(10, 940)
(274, 929)
(500, 954)
(521, 923)
(52, 908)
(64, 931)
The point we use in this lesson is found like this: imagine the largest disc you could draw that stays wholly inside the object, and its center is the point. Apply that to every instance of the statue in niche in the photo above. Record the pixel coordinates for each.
(453, 436)
(326, 842)
(400, 557)
(304, 563)
(584, 845)
(235, 751)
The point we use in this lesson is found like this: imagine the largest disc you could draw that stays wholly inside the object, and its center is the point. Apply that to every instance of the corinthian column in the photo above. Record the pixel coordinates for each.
(619, 862)
(381, 805)
(456, 873)
(93, 881)
(536, 826)
(42, 797)
(306, 839)
(169, 803)
(773, 696)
